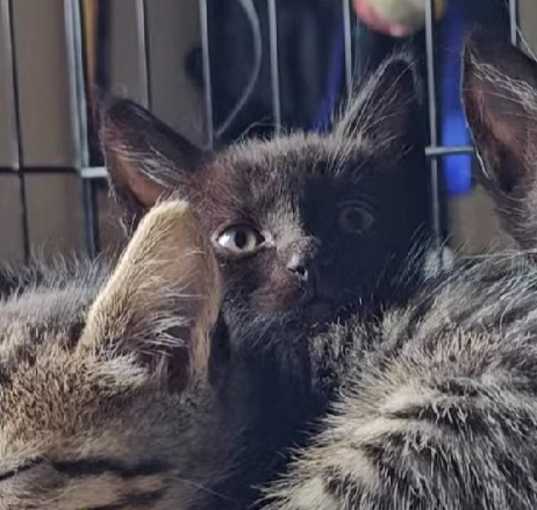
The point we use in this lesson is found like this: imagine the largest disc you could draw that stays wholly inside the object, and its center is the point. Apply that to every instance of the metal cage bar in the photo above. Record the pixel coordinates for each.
(144, 47)
(89, 175)
(8, 14)
(274, 64)
(73, 26)
(347, 31)
(91, 222)
(453, 150)
(433, 119)
(208, 95)
(9, 128)
(513, 21)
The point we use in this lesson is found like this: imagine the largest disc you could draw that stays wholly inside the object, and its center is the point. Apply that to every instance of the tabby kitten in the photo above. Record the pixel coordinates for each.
(303, 224)
(118, 389)
(105, 399)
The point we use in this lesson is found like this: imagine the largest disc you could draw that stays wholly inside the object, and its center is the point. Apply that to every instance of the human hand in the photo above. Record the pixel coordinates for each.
(397, 18)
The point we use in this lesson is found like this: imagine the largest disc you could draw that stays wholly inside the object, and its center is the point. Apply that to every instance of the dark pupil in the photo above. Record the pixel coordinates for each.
(240, 239)
(354, 218)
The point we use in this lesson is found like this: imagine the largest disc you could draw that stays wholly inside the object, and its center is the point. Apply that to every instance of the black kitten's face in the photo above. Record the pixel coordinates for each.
(302, 225)
(302, 233)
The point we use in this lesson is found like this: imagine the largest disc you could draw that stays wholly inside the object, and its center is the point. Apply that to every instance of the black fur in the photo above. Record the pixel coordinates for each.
(295, 191)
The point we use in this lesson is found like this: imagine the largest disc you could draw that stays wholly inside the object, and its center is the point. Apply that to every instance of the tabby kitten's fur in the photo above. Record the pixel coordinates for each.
(439, 412)
(304, 224)
(104, 394)
(119, 390)
(120, 407)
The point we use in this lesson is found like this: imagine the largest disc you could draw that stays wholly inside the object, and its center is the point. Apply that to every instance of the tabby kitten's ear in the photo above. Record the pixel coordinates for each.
(145, 158)
(162, 300)
(500, 100)
(386, 109)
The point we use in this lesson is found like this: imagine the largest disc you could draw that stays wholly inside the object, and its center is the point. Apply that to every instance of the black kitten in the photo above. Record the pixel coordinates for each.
(303, 224)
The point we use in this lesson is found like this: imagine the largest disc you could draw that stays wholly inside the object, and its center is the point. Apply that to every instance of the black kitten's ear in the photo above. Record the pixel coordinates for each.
(386, 109)
(500, 100)
(162, 301)
(145, 158)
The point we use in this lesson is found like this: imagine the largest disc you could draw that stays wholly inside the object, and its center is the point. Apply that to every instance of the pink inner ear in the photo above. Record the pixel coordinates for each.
(507, 136)
(146, 191)
(510, 127)
(504, 126)
(497, 114)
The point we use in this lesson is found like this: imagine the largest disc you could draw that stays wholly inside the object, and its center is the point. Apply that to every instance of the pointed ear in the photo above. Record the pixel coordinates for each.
(386, 109)
(500, 101)
(145, 158)
(162, 300)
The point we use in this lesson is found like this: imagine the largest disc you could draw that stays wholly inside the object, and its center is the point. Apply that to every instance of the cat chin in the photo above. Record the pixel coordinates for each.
(319, 315)
(262, 328)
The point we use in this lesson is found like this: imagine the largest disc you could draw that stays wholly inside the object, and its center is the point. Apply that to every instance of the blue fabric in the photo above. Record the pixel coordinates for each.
(334, 84)
(457, 170)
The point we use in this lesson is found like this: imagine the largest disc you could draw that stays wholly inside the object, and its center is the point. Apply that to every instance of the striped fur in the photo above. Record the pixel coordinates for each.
(104, 393)
(440, 412)
(118, 389)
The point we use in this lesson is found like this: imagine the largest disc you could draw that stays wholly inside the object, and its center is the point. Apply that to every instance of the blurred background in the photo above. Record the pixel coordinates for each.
(216, 70)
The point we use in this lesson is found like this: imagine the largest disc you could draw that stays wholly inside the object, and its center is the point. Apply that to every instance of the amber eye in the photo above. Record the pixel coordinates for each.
(239, 240)
(354, 219)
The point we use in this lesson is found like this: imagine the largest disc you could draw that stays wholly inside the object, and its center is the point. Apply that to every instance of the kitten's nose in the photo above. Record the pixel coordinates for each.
(298, 266)
(299, 256)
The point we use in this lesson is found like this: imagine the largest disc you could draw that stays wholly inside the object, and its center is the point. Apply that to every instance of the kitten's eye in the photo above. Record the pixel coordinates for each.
(354, 219)
(240, 240)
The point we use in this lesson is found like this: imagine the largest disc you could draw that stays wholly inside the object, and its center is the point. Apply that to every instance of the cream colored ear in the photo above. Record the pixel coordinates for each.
(162, 300)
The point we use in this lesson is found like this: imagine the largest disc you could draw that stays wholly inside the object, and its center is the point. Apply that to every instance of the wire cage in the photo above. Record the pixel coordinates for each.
(23, 153)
